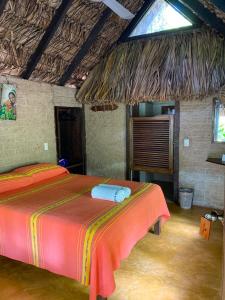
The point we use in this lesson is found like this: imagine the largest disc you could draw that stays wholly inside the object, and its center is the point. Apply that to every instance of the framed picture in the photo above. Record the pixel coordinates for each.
(7, 102)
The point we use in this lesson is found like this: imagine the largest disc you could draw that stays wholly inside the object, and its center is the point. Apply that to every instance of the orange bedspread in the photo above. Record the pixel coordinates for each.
(56, 225)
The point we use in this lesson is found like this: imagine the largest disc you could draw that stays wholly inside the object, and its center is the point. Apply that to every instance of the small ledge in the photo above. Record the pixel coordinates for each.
(217, 161)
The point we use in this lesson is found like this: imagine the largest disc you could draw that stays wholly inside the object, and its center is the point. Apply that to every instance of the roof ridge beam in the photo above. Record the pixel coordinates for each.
(2, 6)
(46, 38)
(219, 4)
(208, 17)
(85, 47)
(139, 15)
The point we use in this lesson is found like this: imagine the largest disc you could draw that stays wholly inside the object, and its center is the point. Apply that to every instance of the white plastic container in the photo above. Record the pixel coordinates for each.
(186, 197)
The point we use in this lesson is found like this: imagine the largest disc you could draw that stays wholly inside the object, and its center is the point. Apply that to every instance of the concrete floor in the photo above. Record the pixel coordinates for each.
(177, 265)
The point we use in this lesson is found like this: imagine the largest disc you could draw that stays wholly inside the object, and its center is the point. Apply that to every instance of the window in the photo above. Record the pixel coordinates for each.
(218, 122)
(161, 16)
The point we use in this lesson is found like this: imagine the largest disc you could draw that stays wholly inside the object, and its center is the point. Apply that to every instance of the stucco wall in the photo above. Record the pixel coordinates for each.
(106, 146)
(22, 140)
(206, 178)
(106, 142)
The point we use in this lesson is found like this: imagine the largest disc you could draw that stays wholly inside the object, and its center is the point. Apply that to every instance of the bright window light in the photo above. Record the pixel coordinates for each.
(160, 16)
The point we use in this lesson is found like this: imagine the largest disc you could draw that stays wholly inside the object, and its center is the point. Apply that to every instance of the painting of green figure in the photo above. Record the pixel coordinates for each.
(8, 102)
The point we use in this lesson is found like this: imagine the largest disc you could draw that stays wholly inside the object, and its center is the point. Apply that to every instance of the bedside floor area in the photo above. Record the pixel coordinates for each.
(177, 265)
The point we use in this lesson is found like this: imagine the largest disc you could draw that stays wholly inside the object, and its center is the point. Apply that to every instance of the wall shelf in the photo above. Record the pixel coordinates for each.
(217, 161)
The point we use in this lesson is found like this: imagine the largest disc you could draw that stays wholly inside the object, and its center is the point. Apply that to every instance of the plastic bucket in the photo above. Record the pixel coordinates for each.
(186, 197)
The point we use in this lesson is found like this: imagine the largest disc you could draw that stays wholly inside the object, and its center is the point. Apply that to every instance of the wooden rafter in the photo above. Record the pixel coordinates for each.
(2, 6)
(208, 17)
(184, 10)
(85, 47)
(140, 14)
(48, 35)
(219, 4)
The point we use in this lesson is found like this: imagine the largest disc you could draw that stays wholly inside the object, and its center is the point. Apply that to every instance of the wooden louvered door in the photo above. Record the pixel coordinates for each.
(151, 142)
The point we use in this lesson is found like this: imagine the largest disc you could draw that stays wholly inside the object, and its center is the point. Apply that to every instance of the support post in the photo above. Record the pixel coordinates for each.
(157, 228)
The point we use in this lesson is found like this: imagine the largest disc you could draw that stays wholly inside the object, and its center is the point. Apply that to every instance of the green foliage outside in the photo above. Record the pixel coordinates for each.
(221, 132)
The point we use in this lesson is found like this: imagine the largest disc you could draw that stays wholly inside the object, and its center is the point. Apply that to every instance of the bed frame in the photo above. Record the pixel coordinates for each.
(156, 230)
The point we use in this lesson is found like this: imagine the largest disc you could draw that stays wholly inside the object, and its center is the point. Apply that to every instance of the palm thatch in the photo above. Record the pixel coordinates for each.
(21, 27)
(23, 24)
(180, 67)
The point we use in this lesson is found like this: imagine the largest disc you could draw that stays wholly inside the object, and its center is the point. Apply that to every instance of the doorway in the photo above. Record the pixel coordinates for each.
(70, 137)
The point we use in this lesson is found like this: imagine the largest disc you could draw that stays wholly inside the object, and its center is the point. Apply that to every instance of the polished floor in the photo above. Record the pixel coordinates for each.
(177, 265)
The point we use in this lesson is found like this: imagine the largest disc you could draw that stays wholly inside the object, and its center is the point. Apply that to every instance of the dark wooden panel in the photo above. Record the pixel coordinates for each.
(135, 173)
(128, 115)
(205, 14)
(151, 144)
(219, 3)
(70, 137)
(2, 6)
(176, 152)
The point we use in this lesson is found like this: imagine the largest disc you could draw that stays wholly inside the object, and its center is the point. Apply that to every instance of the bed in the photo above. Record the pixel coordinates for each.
(48, 219)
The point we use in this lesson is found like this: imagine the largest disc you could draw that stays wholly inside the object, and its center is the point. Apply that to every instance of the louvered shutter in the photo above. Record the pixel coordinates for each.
(151, 141)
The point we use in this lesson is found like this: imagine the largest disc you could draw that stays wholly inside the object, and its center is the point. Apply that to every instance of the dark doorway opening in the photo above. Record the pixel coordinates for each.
(70, 137)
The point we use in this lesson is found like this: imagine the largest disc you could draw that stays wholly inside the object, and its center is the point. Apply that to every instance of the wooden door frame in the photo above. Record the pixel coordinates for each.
(132, 111)
(83, 132)
(176, 147)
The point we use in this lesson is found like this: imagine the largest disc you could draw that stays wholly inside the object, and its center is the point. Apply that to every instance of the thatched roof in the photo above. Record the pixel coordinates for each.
(23, 24)
(180, 67)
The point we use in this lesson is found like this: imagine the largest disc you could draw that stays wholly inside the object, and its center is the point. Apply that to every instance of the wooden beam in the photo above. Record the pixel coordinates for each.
(176, 145)
(157, 228)
(48, 35)
(185, 11)
(85, 47)
(140, 14)
(219, 4)
(203, 13)
(2, 6)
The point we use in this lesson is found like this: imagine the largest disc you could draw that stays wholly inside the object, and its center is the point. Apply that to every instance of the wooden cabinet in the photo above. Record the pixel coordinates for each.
(151, 144)
(70, 137)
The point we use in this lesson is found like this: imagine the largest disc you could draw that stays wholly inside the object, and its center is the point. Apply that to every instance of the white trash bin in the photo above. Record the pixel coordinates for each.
(186, 197)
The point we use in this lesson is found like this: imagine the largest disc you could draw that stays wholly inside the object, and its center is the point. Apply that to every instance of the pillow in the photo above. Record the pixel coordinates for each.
(39, 172)
(10, 181)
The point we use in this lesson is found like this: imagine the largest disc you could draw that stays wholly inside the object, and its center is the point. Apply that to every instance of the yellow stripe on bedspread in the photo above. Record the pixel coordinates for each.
(34, 219)
(93, 228)
(36, 190)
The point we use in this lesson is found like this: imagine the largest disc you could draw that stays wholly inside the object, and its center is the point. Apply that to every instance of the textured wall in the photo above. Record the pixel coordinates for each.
(106, 142)
(206, 178)
(106, 149)
(22, 140)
